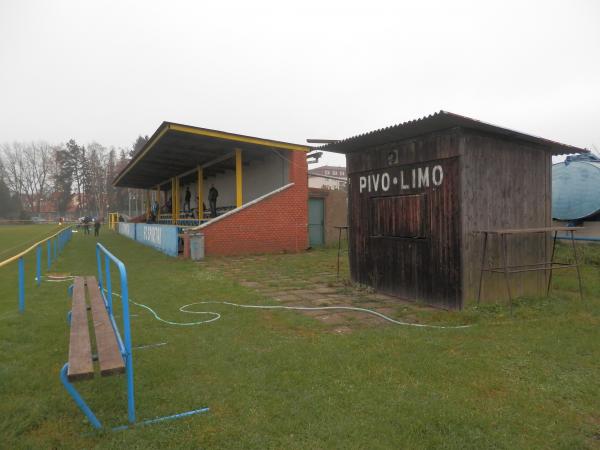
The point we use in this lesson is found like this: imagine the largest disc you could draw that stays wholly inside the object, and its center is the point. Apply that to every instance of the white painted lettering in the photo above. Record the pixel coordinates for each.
(376, 182)
(402, 185)
(362, 183)
(414, 178)
(423, 177)
(437, 175)
(385, 182)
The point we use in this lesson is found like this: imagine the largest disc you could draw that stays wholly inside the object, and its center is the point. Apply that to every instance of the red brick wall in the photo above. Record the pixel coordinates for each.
(276, 224)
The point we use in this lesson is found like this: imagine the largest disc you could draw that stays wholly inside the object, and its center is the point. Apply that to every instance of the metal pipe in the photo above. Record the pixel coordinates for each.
(38, 264)
(108, 284)
(78, 400)
(126, 326)
(21, 285)
(99, 266)
(161, 419)
(590, 239)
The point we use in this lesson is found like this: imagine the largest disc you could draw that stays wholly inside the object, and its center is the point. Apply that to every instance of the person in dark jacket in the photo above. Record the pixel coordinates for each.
(188, 199)
(212, 200)
(97, 227)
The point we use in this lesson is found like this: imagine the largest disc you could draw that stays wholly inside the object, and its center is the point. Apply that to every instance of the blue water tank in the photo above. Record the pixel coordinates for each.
(576, 188)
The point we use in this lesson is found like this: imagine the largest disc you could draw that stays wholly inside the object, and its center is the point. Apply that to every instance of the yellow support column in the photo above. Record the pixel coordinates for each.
(148, 206)
(173, 200)
(157, 199)
(238, 177)
(176, 202)
(200, 192)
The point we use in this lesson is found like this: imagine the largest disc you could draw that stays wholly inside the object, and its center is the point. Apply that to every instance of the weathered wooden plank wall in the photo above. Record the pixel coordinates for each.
(404, 214)
(505, 184)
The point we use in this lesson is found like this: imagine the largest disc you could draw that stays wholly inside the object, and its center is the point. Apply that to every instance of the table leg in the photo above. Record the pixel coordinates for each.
(339, 248)
(505, 264)
(577, 266)
(551, 262)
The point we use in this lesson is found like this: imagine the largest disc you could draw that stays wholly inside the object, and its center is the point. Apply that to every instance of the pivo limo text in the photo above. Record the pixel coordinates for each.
(421, 177)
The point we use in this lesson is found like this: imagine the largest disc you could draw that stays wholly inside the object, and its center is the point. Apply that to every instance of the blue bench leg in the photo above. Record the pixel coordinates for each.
(78, 400)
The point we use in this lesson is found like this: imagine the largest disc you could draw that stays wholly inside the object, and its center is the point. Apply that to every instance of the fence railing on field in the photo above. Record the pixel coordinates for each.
(105, 282)
(104, 260)
(54, 246)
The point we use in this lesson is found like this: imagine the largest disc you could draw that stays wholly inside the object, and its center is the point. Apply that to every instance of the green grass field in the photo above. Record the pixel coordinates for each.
(16, 238)
(279, 379)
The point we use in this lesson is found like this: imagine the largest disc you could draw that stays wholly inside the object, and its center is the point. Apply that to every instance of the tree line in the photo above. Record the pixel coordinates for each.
(65, 177)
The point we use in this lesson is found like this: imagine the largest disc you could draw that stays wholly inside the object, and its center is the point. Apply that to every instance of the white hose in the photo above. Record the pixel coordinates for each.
(217, 316)
(58, 279)
(318, 308)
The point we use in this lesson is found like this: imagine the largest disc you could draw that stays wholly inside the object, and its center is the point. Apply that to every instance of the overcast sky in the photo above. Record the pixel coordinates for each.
(107, 71)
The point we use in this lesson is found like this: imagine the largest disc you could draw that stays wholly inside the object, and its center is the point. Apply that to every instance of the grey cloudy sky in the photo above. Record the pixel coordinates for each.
(107, 71)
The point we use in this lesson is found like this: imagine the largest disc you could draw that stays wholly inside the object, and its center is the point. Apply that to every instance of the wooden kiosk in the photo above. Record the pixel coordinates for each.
(420, 191)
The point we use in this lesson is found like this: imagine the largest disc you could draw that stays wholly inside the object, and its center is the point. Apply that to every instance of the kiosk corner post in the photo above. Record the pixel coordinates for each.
(21, 285)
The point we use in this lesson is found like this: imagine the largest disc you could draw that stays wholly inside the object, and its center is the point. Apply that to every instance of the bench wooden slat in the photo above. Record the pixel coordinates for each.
(109, 355)
(80, 350)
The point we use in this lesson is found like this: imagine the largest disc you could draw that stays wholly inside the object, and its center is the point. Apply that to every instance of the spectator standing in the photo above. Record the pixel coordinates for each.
(188, 198)
(212, 200)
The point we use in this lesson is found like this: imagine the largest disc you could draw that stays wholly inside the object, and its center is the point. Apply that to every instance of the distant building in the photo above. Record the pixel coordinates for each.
(328, 177)
(48, 207)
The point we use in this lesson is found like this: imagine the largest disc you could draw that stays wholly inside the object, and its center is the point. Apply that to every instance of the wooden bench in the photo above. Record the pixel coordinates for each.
(113, 353)
(108, 353)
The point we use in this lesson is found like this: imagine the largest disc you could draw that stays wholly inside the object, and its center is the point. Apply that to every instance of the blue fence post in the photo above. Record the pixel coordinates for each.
(55, 252)
(49, 253)
(38, 257)
(108, 284)
(21, 285)
(99, 266)
(126, 346)
(128, 356)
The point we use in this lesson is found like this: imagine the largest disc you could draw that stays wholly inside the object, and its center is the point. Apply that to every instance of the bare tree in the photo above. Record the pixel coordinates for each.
(38, 164)
(13, 161)
(27, 168)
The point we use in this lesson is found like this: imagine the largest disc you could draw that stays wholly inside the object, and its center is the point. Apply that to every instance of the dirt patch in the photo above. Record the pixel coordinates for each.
(322, 289)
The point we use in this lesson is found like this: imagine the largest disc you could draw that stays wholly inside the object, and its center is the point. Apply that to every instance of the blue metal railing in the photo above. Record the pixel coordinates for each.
(104, 258)
(105, 283)
(54, 246)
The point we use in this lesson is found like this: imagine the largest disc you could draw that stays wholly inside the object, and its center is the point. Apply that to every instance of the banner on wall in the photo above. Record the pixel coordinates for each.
(164, 238)
(127, 229)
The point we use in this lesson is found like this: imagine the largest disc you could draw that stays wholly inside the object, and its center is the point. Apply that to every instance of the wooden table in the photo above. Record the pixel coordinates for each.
(503, 234)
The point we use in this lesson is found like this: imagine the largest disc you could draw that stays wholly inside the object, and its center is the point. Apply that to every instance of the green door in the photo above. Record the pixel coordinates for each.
(315, 221)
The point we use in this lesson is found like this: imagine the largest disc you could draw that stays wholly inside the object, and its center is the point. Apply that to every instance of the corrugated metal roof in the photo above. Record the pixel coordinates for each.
(437, 122)
(175, 148)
